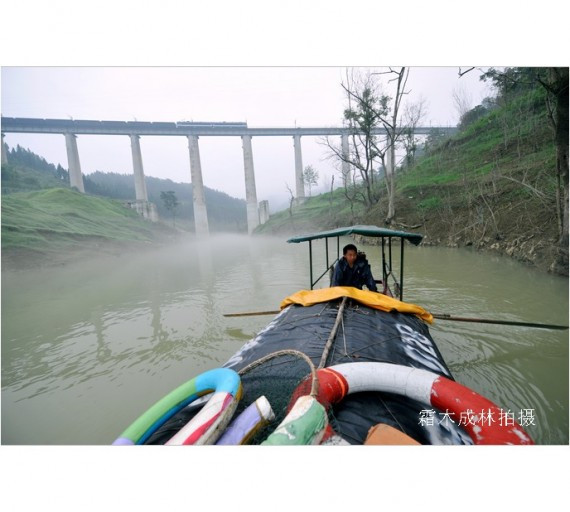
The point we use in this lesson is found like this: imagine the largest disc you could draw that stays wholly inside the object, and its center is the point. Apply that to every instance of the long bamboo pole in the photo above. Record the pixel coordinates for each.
(445, 316)
(441, 316)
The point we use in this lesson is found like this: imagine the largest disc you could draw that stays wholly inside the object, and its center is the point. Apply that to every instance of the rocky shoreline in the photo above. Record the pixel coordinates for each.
(542, 254)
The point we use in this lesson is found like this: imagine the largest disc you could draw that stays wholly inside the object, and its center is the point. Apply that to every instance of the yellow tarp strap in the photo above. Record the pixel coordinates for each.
(371, 299)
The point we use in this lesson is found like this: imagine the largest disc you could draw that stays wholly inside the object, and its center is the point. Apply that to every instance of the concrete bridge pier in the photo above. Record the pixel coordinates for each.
(250, 193)
(300, 182)
(263, 211)
(75, 176)
(140, 185)
(345, 165)
(198, 198)
(4, 152)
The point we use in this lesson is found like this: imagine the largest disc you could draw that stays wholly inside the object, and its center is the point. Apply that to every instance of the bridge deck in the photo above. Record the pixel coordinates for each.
(32, 125)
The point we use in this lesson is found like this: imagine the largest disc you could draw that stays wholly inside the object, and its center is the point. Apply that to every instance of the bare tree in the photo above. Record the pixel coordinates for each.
(393, 130)
(365, 105)
(331, 197)
(291, 199)
(462, 100)
(369, 109)
(413, 114)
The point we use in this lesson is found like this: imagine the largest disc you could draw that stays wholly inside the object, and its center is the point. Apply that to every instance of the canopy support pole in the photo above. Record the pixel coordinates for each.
(311, 262)
(390, 252)
(401, 269)
(384, 272)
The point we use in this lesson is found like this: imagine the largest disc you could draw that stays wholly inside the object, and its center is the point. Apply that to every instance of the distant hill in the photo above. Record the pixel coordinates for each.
(51, 226)
(225, 213)
(27, 171)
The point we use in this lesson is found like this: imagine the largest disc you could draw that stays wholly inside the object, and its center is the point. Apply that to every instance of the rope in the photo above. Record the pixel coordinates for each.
(332, 335)
(305, 357)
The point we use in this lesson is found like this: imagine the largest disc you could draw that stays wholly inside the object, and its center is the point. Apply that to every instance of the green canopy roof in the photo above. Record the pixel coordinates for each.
(372, 231)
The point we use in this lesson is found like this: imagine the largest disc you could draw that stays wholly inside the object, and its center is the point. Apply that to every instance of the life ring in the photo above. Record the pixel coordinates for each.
(206, 425)
(335, 382)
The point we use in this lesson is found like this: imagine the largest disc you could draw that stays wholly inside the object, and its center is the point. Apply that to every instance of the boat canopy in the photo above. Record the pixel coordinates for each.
(372, 231)
(369, 231)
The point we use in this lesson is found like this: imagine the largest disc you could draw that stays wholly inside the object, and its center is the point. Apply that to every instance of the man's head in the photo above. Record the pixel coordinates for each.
(350, 253)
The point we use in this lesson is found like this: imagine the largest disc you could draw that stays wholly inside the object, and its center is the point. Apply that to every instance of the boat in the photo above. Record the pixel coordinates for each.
(335, 366)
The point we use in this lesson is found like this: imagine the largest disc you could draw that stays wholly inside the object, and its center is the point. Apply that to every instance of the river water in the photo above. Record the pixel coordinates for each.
(87, 347)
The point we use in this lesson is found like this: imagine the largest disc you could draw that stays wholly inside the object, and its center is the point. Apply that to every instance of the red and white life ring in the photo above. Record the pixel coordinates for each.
(335, 382)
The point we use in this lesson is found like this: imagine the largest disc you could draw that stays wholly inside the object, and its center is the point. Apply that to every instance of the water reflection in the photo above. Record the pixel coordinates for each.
(87, 347)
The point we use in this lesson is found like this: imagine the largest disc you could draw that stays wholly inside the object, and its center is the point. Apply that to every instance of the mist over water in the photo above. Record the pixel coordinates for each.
(88, 347)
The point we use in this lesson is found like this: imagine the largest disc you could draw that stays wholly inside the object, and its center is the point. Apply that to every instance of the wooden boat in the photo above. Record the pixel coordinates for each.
(336, 365)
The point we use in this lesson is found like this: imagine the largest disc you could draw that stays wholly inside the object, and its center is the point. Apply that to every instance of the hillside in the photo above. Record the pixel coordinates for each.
(490, 187)
(225, 213)
(27, 171)
(53, 225)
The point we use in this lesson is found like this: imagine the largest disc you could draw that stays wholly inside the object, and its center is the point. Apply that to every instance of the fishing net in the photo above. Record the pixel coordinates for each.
(276, 378)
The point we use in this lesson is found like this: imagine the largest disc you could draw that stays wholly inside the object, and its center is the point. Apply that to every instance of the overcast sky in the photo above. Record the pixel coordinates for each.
(261, 96)
(262, 33)
(90, 58)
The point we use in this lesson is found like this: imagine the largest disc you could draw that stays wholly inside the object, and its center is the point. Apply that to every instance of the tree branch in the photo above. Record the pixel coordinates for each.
(461, 73)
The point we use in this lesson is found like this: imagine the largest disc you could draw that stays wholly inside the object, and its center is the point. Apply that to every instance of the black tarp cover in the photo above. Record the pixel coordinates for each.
(365, 335)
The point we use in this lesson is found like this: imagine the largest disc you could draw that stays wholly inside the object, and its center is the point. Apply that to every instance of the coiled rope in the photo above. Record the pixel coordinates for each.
(302, 355)
(297, 353)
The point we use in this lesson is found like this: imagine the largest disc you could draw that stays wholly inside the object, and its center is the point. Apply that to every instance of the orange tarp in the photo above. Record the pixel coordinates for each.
(382, 434)
(371, 299)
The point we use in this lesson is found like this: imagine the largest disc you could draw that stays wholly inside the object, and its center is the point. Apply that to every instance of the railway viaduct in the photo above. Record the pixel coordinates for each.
(70, 128)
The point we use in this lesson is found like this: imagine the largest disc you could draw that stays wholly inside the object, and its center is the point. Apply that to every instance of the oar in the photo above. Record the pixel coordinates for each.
(445, 316)
(254, 313)
(439, 316)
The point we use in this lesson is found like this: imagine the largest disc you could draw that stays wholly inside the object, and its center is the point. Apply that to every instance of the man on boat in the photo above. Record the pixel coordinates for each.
(353, 269)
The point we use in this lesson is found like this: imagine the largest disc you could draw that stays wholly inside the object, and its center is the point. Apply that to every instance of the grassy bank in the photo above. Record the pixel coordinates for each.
(321, 211)
(492, 187)
(42, 226)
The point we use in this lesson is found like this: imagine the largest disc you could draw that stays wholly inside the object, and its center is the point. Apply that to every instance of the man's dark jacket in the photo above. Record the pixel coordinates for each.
(357, 276)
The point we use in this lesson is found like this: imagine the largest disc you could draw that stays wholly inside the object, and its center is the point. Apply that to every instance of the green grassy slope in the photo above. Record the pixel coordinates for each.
(26, 171)
(493, 183)
(56, 220)
(491, 186)
(512, 144)
(321, 211)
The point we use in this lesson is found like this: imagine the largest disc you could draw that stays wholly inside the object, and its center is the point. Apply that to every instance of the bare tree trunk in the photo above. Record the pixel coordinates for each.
(557, 88)
(562, 168)
(291, 200)
(390, 182)
(331, 198)
(462, 100)
(392, 129)
(366, 105)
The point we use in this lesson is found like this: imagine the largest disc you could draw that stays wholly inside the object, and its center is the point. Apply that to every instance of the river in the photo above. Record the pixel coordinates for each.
(89, 346)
